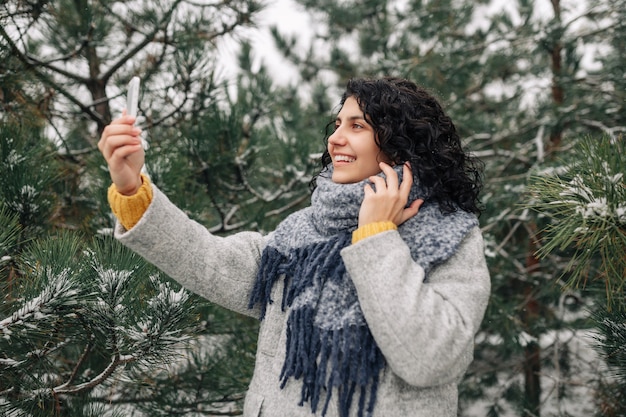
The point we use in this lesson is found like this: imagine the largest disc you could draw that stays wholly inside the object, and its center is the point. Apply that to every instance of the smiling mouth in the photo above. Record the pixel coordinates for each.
(344, 158)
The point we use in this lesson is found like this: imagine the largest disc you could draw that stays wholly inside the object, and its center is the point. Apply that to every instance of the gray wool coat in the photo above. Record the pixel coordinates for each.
(425, 330)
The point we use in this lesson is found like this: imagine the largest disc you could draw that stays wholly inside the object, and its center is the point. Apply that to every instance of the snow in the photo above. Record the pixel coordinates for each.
(581, 196)
(14, 158)
(38, 307)
(9, 362)
(620, 212)
(579, 381)
(553, 171)
(578, 189)
(168, 296)
(111, 280)
(28, 191)
(596, 208)
(617, 178)
(105, 231)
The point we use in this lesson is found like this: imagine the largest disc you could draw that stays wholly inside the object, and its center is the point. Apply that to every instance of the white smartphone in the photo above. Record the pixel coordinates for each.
(132, 97)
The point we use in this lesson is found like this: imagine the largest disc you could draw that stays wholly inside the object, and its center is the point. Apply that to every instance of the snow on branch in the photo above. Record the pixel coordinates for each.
(586, 203)
(160, 328)
(58, 292)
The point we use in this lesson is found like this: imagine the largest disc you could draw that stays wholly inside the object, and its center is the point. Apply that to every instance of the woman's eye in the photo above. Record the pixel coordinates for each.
(357, 126)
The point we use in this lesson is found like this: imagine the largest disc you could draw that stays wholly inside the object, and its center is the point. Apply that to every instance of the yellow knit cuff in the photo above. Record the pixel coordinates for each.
(371, 229)
(129, 208)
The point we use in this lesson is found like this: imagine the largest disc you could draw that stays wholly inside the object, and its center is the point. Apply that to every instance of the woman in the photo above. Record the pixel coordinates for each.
(370, 298)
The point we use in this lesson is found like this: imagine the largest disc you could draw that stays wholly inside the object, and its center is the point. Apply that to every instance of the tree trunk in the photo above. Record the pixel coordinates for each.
(558, 95)
(532, 351)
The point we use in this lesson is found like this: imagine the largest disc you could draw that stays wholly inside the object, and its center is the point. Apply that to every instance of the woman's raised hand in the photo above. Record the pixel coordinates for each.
(388, 202)
(121, 146)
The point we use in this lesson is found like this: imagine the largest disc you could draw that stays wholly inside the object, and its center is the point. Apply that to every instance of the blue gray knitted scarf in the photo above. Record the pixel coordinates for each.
(329, 344)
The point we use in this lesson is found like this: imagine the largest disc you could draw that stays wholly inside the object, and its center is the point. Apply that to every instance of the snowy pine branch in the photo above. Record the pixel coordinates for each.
(586, 203)
(154, 337)
(83, 314)
(58, 293)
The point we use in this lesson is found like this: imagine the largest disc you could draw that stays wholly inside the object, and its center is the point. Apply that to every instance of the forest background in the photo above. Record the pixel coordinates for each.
(536, 88)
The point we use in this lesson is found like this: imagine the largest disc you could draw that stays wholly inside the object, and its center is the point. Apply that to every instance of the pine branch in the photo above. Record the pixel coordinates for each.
(586, 203)
(32, 66)
(147, 39)
(34, 62)
(288, 207)
(57, 293)
(67, 388)
(81, 360)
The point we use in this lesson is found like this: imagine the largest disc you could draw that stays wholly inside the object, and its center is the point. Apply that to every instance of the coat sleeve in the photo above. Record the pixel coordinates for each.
(425, 330)
(220, 269)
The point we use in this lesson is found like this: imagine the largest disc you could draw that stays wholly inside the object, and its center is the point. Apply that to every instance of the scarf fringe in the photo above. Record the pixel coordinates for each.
(321, 259)
(346, 358)
(272, 262)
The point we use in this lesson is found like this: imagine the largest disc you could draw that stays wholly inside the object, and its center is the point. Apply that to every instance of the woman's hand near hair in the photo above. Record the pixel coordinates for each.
(121, 147)
(389, 201)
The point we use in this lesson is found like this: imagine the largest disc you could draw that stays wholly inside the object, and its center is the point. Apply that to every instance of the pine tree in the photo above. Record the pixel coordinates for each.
(517, 87)
(76, 312)
(88, 328)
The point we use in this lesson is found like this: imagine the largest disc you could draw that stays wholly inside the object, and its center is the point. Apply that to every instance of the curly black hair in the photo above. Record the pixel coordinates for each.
(410, 125)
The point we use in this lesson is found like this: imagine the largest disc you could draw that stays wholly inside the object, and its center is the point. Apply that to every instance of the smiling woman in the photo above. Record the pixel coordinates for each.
(409, 125)
(353, 148)
(382, 280)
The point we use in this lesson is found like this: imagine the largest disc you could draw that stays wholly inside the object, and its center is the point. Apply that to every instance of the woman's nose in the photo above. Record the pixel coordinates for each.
(337, 138)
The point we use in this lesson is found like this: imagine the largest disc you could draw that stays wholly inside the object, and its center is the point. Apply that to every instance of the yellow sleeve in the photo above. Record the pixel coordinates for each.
(129, 208)
(371, 229)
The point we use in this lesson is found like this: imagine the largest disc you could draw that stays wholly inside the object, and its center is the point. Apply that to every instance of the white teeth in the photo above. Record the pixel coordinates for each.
(343, 158)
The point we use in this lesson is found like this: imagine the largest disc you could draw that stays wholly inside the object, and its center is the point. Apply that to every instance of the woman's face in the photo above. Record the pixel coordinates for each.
(354, 152)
